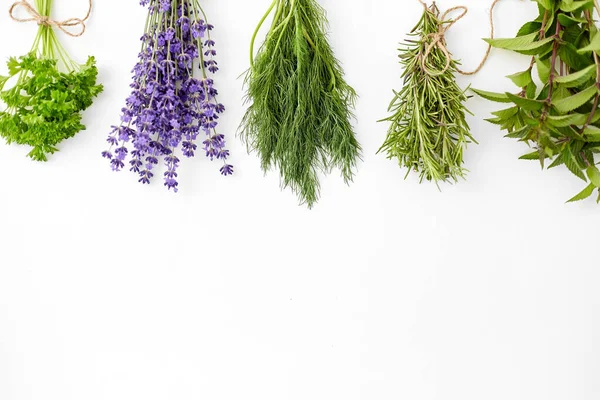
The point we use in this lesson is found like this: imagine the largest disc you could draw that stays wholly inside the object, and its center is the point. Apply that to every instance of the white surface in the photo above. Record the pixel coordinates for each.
(387, 290)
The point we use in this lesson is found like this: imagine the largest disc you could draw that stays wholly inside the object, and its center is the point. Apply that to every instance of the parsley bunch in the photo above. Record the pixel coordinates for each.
(560, 118)
(50, 91)
(299, 119)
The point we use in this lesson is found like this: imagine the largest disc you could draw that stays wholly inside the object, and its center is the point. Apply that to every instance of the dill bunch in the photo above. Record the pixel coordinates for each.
(301, 106)
(428, 129)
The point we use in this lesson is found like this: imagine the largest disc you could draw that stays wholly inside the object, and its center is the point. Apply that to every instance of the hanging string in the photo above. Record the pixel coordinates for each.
(438, 40)
(47, 21)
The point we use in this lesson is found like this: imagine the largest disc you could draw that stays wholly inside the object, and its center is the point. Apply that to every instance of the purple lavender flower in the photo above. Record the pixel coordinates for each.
(169, 108)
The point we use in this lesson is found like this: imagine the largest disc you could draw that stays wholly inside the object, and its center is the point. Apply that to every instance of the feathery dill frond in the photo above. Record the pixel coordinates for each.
(299, 117)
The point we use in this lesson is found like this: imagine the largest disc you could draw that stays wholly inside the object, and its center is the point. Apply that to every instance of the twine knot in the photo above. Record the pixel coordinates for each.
(43, 20)
(438, 39)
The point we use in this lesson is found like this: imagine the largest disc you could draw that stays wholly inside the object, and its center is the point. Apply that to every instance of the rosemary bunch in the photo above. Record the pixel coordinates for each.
(559, 118)
(428, 131)
(299, 117)
(50, 91)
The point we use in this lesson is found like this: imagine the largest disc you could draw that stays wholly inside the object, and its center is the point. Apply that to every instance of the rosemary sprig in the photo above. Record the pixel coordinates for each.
(428, 130)
(301, 106)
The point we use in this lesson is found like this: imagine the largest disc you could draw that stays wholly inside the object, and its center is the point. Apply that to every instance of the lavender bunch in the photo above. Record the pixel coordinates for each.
(168, 108)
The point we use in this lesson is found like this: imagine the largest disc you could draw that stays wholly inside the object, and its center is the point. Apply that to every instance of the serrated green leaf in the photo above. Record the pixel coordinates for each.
(577, 78)
(550, 16)
(543, 69)
(588, 156)
(567, 131)
(585, 193)
(547, 4)
(569, 54)
(593, 46)
(543, 94)
(592, 134)
(531, 90)
(596, 117)
(507, 113)
(560, 121)
(557, 161)
(570, 6)
(521, 79)
(519, 133)
(594, 174)
(510, 43)
(560, 92)
(529, 28)
(573, 163)
(576, 34)
(531, 121)
(525, 103)
(576, 148)
(497, 97)
(567, 20)
(495, 121)
(520, 43)
(577, 100)
(533, 156)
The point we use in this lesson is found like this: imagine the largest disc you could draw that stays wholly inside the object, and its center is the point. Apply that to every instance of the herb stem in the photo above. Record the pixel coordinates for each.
(597, 62)
(260, 24)
(552, 75)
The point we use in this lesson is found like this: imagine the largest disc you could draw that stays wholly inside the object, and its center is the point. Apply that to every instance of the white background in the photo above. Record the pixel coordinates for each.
(387, 290)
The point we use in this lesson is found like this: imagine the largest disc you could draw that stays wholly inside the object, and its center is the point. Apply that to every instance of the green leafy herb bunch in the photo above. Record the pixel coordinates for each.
(558, 118)
(428, 130)
(301, 106)
(49, 90)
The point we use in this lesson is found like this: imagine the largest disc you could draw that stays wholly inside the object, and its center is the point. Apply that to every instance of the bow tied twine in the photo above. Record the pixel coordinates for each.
(438, 39)
(43, 20)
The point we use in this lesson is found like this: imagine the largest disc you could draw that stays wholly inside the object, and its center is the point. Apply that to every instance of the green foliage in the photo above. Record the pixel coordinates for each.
(428, 130)
(43, 106)
(299, 117)
(559, 118)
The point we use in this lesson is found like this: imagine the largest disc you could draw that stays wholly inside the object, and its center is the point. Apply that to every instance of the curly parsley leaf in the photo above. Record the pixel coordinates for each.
(44, 106)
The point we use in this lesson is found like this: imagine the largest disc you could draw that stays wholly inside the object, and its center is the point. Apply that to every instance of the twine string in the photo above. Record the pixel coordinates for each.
(438, 40)
(35, 16)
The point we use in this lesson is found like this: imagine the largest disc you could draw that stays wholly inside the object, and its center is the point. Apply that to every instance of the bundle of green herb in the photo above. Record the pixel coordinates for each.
(44, 105)
(299, 119)
(560, 118)
(428, 129)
